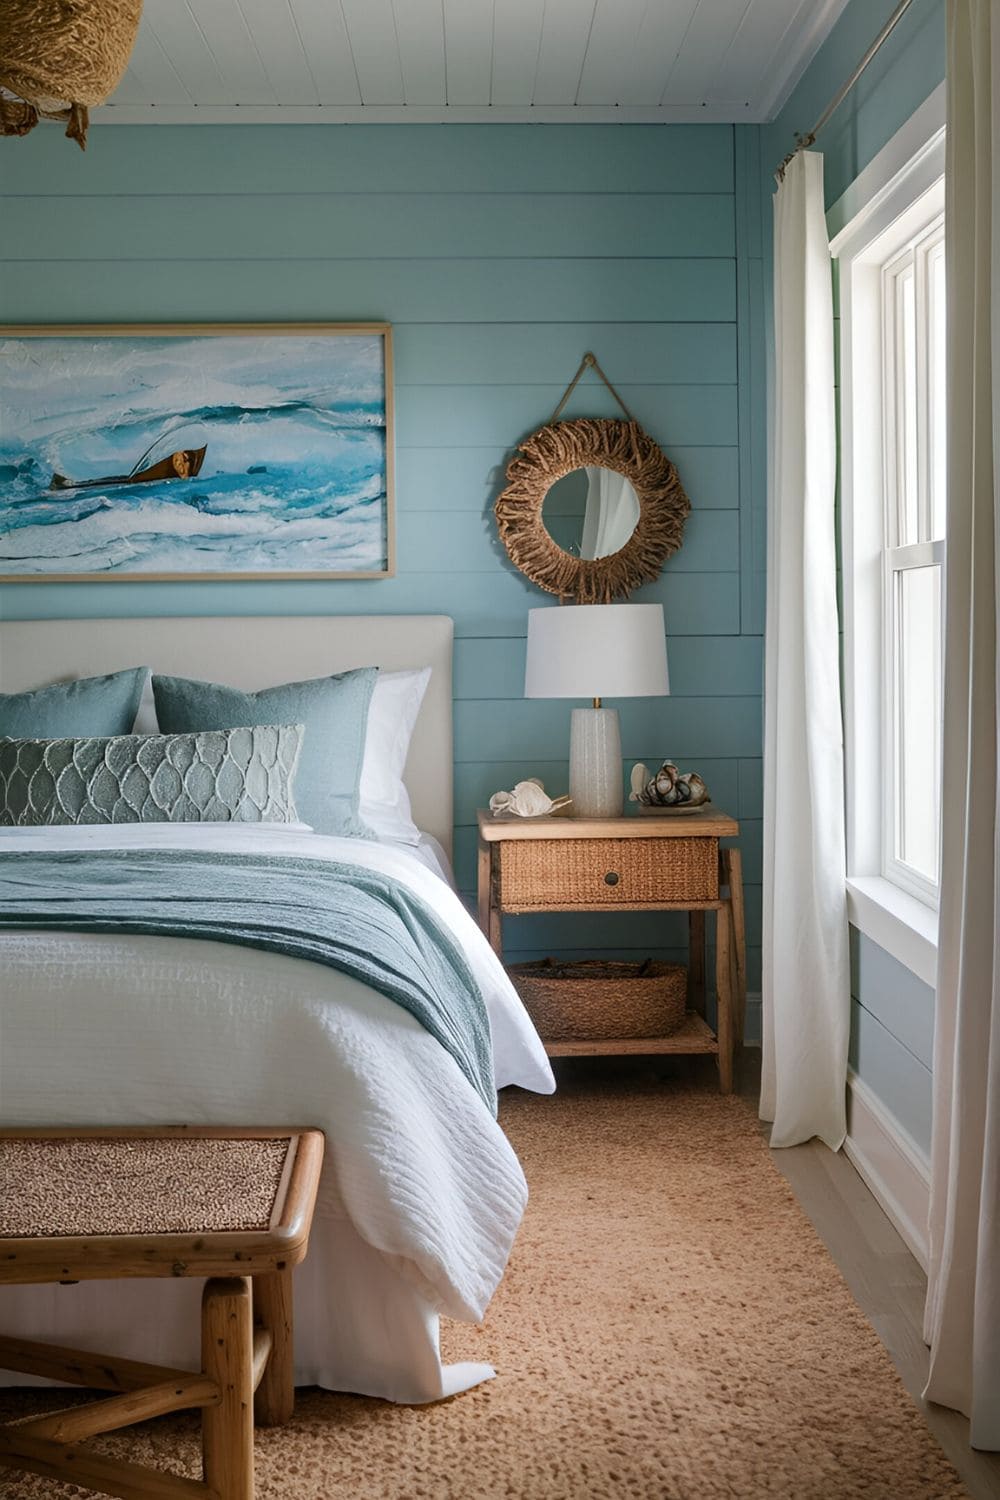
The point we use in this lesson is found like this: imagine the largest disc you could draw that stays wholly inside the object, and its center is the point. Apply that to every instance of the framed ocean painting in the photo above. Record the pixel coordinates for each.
(196, 451)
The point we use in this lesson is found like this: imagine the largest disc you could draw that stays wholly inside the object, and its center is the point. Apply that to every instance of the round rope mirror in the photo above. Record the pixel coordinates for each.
(631, 523)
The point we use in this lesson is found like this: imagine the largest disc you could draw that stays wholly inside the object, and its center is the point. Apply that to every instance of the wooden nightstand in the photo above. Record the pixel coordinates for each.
(639, 863)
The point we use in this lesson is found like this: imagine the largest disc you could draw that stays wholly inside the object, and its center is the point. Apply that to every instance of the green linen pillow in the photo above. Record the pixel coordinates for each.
(90, 706)
(334, 711)
(219, 776)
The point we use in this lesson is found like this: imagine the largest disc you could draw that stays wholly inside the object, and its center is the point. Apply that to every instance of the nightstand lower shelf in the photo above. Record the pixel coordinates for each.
(694, 1035)
(577, 865)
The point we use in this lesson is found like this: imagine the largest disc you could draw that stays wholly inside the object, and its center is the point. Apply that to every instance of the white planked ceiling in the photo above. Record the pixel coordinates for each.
(468, 60)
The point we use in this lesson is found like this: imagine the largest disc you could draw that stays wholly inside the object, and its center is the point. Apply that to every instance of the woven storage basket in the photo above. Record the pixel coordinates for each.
(563, 873)
(593, 999)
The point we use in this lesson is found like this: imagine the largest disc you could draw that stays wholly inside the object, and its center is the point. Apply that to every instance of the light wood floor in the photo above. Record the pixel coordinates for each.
(887, 1283)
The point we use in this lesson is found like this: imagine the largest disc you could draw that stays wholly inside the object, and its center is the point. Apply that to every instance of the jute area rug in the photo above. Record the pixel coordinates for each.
(670, 1328)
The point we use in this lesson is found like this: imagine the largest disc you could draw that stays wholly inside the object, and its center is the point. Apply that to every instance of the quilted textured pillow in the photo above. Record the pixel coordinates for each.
(218, 776)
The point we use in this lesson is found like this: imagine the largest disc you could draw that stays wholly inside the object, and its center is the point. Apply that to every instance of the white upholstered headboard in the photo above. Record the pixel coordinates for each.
(258, 651)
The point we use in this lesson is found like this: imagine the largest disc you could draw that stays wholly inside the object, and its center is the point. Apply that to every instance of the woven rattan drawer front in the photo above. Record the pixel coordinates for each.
(561, 873)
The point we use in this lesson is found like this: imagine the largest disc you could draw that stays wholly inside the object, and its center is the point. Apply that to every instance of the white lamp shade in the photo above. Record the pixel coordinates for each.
(596, 651)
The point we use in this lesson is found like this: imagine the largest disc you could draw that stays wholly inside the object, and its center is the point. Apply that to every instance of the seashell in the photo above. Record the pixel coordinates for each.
(664, 785)
(637, 781)
(697, 791)
(529, 799)
(669, 787)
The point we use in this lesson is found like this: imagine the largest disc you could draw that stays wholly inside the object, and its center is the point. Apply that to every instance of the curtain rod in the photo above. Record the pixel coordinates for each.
(802, 142)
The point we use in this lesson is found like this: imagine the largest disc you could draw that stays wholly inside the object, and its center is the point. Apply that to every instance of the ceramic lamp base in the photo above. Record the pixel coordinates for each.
(595, 763)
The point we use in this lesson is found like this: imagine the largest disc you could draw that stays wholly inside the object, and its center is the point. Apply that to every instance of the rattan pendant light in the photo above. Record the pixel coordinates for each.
(60, 57)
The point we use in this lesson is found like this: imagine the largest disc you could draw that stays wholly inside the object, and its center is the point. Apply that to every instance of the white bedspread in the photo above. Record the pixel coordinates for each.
(421, 1193)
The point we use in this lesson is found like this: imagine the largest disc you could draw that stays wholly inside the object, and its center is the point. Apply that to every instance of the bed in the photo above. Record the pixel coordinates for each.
(421, 1194)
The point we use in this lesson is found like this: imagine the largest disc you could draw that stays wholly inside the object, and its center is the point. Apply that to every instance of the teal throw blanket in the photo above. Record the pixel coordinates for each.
(346, 917)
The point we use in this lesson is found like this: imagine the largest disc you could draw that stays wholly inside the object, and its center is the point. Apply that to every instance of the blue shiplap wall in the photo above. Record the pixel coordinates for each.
(500, 254)
(892, 1010)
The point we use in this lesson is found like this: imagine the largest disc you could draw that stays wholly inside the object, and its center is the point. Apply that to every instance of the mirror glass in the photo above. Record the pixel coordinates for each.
(591, 512)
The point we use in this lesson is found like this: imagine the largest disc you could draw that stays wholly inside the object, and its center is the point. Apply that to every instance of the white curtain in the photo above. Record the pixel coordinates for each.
(611, 515)
(963, 1303)
(806, 978)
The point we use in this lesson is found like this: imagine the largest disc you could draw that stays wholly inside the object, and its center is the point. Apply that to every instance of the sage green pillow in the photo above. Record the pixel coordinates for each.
(334, 711)
(91, 705)
(220, 776)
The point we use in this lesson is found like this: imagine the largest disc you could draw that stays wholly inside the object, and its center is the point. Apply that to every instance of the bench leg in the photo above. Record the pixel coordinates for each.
(272, 1306)
(227, 1357)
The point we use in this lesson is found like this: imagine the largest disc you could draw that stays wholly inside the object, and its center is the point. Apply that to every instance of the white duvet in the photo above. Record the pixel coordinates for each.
(421, 1194)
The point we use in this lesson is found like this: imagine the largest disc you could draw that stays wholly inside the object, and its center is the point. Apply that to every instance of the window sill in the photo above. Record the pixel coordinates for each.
(905, 927)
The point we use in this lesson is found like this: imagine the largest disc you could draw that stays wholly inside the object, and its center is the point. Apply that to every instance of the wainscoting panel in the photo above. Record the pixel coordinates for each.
(892, 1165)
(900, 1080)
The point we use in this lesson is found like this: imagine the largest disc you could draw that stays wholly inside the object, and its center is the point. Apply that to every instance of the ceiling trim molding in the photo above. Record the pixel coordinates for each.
(813, 25)
(409, 114)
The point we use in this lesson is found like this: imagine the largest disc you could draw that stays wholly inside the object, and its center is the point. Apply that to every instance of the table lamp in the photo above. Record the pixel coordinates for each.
(596, 651)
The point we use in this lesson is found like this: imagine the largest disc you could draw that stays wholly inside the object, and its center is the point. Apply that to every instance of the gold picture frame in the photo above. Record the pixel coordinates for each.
(155, 493)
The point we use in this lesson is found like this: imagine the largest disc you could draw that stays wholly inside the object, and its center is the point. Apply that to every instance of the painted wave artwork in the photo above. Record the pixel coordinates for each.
(242, 453)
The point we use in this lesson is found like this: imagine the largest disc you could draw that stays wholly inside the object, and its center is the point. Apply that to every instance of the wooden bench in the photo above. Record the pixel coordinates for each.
(233, 1205)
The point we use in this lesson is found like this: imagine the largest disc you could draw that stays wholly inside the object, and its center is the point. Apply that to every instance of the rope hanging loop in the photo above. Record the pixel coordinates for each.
(589, 362)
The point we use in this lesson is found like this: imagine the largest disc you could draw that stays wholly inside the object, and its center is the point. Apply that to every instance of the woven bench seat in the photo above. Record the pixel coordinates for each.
(232, 1205)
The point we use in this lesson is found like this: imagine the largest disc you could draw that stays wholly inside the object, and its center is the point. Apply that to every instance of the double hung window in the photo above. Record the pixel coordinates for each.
(913, 504)
(890, 259)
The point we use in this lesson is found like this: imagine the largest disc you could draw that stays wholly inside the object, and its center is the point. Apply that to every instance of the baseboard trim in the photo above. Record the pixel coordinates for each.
(890, 1163)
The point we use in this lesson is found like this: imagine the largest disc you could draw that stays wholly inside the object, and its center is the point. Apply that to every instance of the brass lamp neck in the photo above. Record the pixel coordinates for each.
(597, 702)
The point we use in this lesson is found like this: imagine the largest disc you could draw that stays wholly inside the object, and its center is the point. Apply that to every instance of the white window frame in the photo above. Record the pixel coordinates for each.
(890, 202)
(899, 556)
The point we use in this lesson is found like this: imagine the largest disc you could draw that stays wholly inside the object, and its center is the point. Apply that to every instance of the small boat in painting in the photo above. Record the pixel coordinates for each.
(184, 464)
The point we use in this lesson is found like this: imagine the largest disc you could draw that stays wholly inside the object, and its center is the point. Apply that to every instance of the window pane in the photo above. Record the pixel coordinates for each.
(906, 396)
(918, 718)
(936, 389)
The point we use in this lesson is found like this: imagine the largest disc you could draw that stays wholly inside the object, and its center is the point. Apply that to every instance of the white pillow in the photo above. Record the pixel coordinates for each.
(384, 802)
(145, 714)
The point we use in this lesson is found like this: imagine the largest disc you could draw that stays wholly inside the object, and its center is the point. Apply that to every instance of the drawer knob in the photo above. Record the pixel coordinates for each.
(612, 878)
